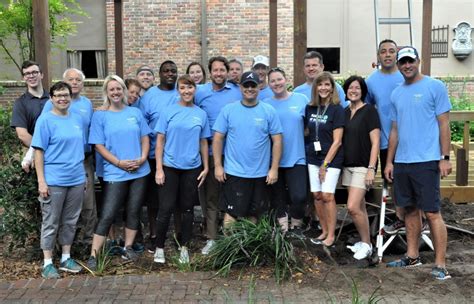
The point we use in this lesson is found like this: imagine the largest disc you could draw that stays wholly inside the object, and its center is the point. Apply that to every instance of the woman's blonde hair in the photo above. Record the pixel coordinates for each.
(108, 79)
(333, 98)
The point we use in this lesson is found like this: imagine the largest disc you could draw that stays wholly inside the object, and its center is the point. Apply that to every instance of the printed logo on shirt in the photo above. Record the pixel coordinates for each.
(196, 120)
(83, 111)
(294, 108)
(259, 121)
(417, 97)
(132, 120)
(320, 118)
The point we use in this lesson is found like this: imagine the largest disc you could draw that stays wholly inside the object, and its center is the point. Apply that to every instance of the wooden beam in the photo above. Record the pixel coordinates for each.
(118, 38)
(299, 40)
(273, 33)
(42, 39)
(458, 194)
(426, 37)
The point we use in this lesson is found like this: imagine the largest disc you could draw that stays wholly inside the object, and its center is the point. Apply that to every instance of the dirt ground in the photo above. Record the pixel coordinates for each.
(333, 271)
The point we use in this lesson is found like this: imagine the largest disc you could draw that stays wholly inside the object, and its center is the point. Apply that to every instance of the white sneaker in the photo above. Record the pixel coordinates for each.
(364, 251)
(159, 256)
(354, 248)
(183, 255)
(208, 247)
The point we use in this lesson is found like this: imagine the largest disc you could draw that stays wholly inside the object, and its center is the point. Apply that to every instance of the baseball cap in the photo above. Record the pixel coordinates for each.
(249, 77)
(261, 60)
(145, 68)
(407, 51)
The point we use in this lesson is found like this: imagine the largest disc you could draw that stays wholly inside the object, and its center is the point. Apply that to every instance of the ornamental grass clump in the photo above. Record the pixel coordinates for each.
(253, 244)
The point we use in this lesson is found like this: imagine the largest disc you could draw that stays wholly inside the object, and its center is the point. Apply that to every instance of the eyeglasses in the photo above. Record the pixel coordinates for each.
(32, 73)
(62, 96)
(252, 85)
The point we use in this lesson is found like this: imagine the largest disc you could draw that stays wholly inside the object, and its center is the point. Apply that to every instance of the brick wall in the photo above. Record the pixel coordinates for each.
(157, 30)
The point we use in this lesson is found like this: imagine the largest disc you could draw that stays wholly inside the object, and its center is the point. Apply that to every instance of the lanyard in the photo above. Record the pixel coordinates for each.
(316, 122)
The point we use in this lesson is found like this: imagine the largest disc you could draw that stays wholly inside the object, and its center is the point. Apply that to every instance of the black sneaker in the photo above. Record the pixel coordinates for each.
(138, 247)
(395, 227)
(405, 262)
(92, 263)
(129, 254)
(296, 233)
(151, 244)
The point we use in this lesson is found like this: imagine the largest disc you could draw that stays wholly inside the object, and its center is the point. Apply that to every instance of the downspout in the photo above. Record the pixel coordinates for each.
(204, 33)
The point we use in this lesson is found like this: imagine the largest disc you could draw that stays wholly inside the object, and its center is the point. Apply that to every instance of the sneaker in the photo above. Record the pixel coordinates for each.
(296, 233)
(113, 248)
(70, 265)
(151, 244)
(440, 273)
(159, 256)
(92, 263)
(50, 272)
(138, 247)
(364, 251)
(208, 247)
(395, 227)
(129, 254)
(183, 255)
(405, 262)
(354, 248)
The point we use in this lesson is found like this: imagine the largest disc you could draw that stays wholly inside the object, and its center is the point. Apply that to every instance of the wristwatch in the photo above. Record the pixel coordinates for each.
(444, 157)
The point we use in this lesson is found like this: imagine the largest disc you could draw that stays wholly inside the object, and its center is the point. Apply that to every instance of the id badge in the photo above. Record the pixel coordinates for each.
(317, 146)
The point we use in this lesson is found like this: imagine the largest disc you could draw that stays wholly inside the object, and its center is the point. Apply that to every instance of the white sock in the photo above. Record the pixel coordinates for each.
(47, 262)
(65, 256)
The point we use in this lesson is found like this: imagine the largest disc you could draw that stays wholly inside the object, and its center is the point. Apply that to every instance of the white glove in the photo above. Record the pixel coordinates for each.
(28, 159)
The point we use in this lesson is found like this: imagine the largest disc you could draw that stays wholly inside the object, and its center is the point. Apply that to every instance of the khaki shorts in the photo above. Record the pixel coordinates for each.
(354, 177)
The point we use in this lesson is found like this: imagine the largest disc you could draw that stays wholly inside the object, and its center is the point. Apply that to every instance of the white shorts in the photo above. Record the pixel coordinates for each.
(329, 184)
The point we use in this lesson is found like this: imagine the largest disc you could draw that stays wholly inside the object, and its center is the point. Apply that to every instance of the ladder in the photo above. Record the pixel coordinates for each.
(379, 21)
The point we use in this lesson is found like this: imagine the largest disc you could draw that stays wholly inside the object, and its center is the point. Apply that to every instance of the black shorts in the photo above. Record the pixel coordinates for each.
(243, 197)
(417, 185)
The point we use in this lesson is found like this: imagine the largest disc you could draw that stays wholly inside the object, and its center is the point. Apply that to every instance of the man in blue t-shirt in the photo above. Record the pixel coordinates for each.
(418, 154)
(212, 97)
(152, 104)
(253, 147)
(261, 65)
(313, 65)
(380, 85)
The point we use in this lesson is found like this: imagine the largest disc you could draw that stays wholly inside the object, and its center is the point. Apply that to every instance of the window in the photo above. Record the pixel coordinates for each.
(439, 41)
(92, 62)
(331, 58)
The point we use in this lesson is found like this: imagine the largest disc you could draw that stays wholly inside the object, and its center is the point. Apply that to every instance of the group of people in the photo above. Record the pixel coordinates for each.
(241, 144)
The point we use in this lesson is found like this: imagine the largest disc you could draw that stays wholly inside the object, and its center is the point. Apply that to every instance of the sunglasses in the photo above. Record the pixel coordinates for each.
(252, 85)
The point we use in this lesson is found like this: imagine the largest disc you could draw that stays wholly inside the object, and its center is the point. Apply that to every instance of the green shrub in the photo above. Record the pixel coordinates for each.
(19, 210)
(462, 103)
(251, 244)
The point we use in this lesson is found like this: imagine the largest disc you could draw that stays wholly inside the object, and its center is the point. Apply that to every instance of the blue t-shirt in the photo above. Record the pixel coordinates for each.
(62, 140)
(120, 133)
(212, 101)
(415, 108)
(305, 89)
(265, 93)
(248, 143)
(380, 86)
(291, 114)
(81, 106)
(152, 104)
(183, 127)
(332, 119)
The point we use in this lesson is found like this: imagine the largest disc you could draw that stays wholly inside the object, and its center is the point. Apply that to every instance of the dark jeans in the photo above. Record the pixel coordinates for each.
(180, 190)
(290, 189)
(128, 194)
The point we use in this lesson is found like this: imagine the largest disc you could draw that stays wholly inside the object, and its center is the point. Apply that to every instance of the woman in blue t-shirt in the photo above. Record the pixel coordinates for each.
(292, 174)
(120, 135)
(181, 164)
(324, 125)
(58, 141)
